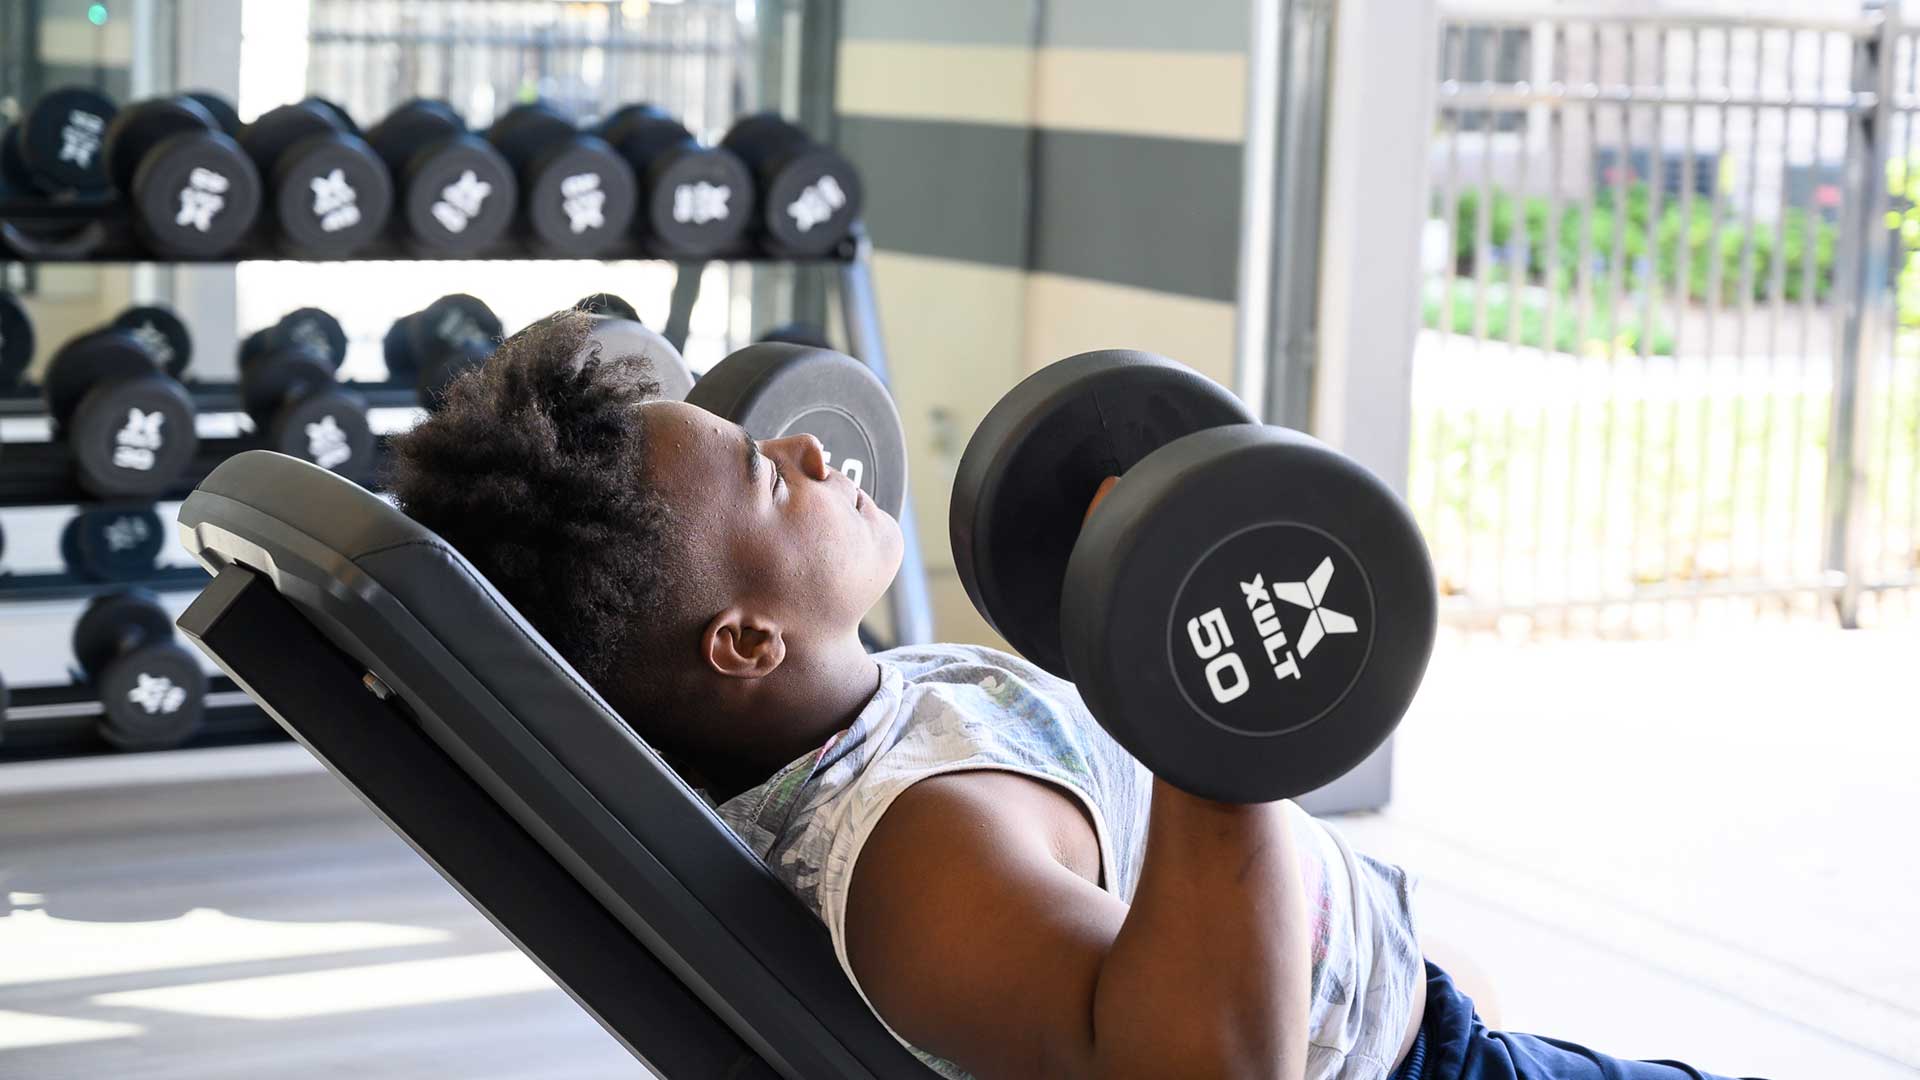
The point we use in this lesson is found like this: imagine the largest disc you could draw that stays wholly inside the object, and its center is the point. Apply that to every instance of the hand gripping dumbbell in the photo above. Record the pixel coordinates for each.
(328, 193)
(694, 200)
(194, 192)
(54, 148)
(129, 424)
(456, 193)
(809, 193)
(576, 193)
(1248, 611)
(16, 342)
(107, 543)
(287, 386)
(152, 690)
(775, 389)
(432, 346)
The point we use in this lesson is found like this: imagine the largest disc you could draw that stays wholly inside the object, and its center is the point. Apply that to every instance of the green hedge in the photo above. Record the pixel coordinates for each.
(1558, 263)
(1601, 324)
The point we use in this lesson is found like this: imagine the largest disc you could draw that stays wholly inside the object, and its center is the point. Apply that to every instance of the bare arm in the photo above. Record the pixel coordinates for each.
(976, 942)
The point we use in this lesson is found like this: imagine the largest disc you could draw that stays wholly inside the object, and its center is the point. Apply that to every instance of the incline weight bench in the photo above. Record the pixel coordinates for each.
(383, 651)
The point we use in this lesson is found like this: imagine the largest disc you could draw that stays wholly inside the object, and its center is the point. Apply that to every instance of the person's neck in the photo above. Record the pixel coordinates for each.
(817, 691)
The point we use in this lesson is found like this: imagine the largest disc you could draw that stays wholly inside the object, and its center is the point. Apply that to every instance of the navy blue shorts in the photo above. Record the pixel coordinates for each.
(1454, 1045)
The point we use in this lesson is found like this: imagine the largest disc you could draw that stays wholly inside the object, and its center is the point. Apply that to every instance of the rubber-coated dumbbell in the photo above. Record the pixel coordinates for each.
(103, 543)
(576, 193)
(694, 200)
(225, 116)
(798, 333)
(307, 327)
(601, 303)
(164, 334)
(809, 193)
(1248, 611)
(287, 386)
(621, 337)
(16, 342)
(194, 192)
(328, 193)
(55, 147)
(152, 691)
(128, 423)
(434, 345)
(456, 193)
(775, 389)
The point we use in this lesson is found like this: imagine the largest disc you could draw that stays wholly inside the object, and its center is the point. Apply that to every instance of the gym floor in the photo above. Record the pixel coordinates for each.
(1618, 835)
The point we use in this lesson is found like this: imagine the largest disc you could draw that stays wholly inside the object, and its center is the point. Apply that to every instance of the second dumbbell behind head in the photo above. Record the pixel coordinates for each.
(287, 387)
(432, 346)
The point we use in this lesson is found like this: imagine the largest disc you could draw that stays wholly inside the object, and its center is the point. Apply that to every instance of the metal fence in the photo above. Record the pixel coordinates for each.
(1668, 365)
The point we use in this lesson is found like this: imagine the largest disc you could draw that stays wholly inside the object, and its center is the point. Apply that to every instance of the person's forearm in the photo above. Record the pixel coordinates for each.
(1210, 973)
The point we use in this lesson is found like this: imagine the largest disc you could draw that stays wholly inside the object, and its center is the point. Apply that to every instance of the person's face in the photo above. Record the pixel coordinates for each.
(793, 540)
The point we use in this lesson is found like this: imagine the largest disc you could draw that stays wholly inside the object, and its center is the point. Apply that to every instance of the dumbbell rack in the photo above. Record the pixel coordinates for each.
(40, 721)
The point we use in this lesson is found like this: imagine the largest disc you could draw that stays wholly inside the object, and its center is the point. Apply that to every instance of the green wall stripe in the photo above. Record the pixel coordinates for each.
(1157, 213)
(942, 22)
(951, 190)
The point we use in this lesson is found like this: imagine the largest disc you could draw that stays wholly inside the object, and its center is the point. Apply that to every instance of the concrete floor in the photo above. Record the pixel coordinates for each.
(1697, 850)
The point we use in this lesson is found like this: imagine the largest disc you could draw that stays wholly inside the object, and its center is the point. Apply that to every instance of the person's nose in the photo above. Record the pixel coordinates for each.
(809, 455)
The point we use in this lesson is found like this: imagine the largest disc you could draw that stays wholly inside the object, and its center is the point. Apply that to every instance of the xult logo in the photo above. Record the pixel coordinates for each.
(202, 199)
(327, 444)
(136, 445)
(817, 203)
(1309, 594)
(80, 137)
(460, 202)
(335, 202)
(157, 694)
(583, 202)
(700, 203)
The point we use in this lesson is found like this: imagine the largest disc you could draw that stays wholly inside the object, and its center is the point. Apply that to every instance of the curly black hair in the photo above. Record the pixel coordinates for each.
(534, 468)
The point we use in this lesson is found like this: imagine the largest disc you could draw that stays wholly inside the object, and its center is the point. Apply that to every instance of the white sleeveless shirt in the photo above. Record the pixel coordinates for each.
(948, 708)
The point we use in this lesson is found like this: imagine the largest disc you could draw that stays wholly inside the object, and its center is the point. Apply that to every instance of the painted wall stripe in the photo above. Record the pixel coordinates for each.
(1068, 315)
(1175, 95)
(972, 22)
(1156, 213)
(1144, 24)
(982, 84)
(956, 191)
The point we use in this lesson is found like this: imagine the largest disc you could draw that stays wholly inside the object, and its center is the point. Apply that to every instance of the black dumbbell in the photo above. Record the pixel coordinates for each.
(435, 344)
(225, 116)
(338, 112)
(152, 691)
(129, 424)
(161, 330)
(194, 192)
(457, 194)
(576, 193)
(1249, 612)
(624, 338)
(328, 193)
(307, 327)
(16, 342)
(694, 200)
(775, 389)
(601, 303)
(287, 386)
(103, 543)
(798, 333)
(55, 147)
(809, 193)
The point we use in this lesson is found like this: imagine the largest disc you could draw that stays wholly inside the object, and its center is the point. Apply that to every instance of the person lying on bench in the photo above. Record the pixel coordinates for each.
(1012, 893)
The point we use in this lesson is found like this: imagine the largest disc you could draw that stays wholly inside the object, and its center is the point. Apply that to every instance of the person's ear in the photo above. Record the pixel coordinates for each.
(743, 645)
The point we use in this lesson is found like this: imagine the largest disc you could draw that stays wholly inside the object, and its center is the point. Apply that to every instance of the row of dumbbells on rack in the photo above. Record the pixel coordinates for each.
(304, 181)
(118, 402)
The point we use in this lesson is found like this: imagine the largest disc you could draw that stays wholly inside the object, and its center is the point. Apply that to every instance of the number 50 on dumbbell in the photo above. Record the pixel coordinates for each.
(1248, 611)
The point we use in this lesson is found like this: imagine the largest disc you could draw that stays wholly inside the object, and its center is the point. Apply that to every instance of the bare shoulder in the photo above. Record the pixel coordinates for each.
(966, 878)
